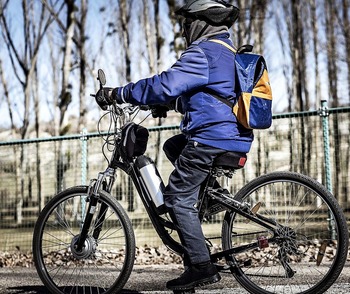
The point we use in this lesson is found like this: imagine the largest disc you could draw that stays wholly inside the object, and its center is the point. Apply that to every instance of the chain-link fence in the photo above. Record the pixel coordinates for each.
(315, 143)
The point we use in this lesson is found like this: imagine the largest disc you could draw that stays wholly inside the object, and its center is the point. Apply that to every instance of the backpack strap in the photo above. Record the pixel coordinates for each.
(245, 49)
(223, 100)
(224, 44)
(242, 49)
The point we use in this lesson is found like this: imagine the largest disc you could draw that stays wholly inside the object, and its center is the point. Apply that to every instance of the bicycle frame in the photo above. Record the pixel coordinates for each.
(106, 180)
(159, 223)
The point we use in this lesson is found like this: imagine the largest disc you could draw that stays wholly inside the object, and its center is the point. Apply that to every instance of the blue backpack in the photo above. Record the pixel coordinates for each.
(254, 104)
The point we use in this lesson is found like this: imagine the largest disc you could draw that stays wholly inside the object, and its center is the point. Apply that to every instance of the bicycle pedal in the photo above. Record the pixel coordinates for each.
(222, 267)
(321, 252)
(254, 210)
(188, 291)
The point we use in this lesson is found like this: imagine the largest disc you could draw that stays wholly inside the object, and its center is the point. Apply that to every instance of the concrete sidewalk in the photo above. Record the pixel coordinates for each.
(143, 280)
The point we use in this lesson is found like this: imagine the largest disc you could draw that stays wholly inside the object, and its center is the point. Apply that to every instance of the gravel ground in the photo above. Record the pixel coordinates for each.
(144, 279)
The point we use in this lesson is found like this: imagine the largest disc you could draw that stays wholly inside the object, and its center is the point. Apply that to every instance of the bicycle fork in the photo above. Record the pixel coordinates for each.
(93, 197)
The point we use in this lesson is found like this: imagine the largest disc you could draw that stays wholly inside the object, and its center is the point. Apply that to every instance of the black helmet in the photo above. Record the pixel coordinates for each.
(211, 11)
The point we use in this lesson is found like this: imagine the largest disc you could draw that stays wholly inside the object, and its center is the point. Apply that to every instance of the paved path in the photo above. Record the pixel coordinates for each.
(143, 280)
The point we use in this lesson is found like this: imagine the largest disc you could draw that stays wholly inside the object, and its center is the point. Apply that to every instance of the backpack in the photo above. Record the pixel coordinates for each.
(254, 104)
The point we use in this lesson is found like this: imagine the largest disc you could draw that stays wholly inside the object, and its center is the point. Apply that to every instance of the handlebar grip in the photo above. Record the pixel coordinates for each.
(92, 95)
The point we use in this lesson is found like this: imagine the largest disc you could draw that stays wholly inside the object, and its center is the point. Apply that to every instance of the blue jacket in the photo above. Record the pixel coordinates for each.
(205, 67)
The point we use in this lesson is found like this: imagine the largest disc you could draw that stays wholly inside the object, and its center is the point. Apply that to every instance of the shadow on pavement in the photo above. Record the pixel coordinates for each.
(43, 290)
(28, 290)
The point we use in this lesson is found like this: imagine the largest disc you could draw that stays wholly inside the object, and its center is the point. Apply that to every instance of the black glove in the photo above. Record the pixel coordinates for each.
(159, 110)
(104, 97)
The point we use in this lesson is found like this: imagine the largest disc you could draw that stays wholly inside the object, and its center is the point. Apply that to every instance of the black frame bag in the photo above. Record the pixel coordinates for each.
(134, 140)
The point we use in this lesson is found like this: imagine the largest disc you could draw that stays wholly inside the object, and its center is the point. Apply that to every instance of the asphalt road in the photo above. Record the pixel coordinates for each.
(144, 279)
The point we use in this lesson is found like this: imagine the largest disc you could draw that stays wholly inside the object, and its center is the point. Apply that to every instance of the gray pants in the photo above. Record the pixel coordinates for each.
(192, 161)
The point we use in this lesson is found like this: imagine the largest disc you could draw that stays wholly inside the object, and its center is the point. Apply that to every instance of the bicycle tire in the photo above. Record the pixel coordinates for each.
(104, 265)
(317, 250)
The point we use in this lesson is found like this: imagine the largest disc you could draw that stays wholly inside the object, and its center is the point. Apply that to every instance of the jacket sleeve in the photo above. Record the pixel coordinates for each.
(189, 73)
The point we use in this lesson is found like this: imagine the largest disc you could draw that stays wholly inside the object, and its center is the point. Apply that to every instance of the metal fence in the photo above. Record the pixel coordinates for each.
(315, 143)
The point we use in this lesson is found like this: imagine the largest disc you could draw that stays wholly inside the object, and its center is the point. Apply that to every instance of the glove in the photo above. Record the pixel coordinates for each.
(104, 97)
(159, 110)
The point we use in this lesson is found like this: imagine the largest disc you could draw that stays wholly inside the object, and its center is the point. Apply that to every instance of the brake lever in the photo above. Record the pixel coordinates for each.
(144, 107)
(119, 111)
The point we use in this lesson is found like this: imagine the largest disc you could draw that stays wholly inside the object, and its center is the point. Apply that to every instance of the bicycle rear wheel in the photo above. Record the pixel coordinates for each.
(105, 263)
(307, 250)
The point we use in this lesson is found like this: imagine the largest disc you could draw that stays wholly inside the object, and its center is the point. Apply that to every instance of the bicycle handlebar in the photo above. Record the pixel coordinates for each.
(119, 110)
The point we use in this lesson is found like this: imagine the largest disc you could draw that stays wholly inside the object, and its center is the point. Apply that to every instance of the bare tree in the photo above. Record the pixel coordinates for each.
(24, 61)
(82, 63)
(249, 28)
(75, 36)
(124, 16)
(294, 12)
(154, 43)
(178, 43)
(316, 47)
(317, 89)
(12, 123)
(346, 32)
(152, 35)
(7, 98)
(330, 27)
(64, 98)
(122, 30)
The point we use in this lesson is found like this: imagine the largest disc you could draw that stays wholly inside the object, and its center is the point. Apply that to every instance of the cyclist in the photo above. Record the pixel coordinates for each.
(208, 127)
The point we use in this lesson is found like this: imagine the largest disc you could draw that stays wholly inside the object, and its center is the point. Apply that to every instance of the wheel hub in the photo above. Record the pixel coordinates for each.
(88, 249)
(287, 237)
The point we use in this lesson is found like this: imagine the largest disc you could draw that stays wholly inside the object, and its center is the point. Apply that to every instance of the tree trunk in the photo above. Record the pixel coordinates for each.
(65, 97)
(330, 14)
(34, 29)
(37, 145)
(346, 30)
(82, 65)
(124, 19)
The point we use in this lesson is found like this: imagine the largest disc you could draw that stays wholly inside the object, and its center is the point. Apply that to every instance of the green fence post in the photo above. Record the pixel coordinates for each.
(83, 139)
(324, 113)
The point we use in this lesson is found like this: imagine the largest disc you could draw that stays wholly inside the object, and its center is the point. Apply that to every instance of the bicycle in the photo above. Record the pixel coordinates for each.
(275, 230)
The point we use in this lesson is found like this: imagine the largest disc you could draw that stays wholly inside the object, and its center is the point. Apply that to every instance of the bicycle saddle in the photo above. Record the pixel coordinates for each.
(230, 160)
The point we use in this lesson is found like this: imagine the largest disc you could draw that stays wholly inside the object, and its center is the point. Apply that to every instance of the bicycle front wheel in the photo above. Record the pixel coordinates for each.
(307, 249)
(106, 260)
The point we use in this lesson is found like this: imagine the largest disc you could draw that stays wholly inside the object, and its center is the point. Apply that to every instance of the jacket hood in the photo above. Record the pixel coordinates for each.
(201, 29)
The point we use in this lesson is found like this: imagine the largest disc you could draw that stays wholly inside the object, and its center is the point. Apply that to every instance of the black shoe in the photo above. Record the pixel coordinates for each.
(195, 275)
